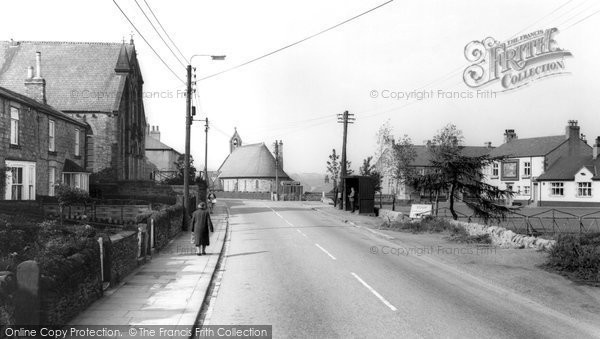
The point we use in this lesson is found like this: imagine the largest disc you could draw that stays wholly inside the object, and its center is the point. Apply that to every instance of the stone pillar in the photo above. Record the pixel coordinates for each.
(27, 298)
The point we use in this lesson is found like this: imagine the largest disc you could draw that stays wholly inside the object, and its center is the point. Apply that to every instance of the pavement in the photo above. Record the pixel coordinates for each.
(167, 290)
(317, 275)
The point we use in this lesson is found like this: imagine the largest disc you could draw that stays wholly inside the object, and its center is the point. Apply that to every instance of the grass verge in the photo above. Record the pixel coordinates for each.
(429, 224)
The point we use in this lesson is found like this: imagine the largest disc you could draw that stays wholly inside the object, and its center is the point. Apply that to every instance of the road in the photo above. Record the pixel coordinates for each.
(311, 276)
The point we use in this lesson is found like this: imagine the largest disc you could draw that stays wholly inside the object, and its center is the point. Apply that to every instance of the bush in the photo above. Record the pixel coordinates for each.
(578, 255)
(427, 224)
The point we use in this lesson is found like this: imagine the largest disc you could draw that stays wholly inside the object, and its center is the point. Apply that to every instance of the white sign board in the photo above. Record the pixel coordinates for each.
(417, 211)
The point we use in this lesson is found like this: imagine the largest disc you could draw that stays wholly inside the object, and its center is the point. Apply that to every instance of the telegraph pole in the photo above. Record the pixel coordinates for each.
(206, 156)
(344, 118)
(276, 170)
(188, 123)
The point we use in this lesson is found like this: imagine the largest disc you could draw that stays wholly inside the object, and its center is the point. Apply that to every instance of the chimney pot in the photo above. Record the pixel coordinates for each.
(38, 65)
(595, 148)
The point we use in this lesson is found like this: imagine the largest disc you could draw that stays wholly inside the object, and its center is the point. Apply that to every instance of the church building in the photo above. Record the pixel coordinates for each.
(251, 168)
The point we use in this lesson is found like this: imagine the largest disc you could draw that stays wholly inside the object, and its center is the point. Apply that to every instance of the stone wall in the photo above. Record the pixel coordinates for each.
(78, 286)
(122, 255)
(505, 238)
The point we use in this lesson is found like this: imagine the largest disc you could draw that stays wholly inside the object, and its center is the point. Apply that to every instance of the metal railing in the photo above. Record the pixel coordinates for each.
(549, 222)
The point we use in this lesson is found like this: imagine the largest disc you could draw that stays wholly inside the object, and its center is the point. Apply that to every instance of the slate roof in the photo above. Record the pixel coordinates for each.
(529, 147)
(154, 144)
(423, 158)
(25, 100)
(567, 167)
(251, 161)
(71, 167)
(80, 76)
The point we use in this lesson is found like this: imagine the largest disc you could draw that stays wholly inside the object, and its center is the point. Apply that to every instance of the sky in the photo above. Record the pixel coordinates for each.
(295, 95)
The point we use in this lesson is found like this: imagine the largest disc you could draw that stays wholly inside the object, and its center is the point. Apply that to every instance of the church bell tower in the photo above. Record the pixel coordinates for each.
(235, 141)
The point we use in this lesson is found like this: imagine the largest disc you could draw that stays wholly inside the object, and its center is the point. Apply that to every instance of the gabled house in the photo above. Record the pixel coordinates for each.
(422, 164)
(573, 180)
(528, 159)
(39, 145)
(96, 83)
(163, 157)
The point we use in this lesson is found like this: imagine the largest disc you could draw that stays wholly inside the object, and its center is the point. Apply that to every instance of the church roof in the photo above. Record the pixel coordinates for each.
(80, 76)
(251, 161)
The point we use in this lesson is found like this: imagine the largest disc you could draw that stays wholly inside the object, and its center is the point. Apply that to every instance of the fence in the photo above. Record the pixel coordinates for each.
(547, 222)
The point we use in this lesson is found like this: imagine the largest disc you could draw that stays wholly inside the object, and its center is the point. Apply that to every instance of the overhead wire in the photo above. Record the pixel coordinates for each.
(159, 35)
(147, 43)
(297, 42)
(167, 34)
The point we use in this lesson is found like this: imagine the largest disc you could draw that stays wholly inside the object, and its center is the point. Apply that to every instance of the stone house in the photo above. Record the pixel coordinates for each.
(96, 83)
(162, 156)
(39, 145)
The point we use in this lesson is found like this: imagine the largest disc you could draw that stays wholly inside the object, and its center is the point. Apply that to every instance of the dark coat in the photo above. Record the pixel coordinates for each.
(200, 225)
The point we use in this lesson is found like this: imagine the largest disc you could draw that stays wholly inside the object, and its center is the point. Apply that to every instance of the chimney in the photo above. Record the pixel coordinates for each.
(595, 148)
(155, 133)
(488, 144)
(281, 154)
(510, 135)
(36, 85)
(572, 135)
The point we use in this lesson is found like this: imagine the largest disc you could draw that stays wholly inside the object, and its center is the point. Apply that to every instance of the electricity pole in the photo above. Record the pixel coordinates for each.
(344, 118)
(206, 156)
(188, 123)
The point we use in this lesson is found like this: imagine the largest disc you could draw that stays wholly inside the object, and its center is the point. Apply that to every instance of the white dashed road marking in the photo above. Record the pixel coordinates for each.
(302, 233)
(387, 303)
(324, 250)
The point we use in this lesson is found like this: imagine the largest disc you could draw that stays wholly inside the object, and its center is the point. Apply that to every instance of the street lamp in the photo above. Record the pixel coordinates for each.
(188, 123)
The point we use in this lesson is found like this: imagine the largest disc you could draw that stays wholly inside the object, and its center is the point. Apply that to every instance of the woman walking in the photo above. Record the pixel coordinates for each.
(201, 223)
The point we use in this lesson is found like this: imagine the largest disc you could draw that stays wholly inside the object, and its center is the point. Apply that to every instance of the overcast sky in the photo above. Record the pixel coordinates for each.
(294, 95)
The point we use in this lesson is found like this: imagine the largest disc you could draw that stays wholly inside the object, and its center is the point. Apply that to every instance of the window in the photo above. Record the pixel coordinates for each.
(557, 188)
(584, 189)
(77, 180)
(495, 169)
(51, 135)
(17, 183)
(14, 126)
(77, 142)
(527, 169)
(527, 190)
(51, 180)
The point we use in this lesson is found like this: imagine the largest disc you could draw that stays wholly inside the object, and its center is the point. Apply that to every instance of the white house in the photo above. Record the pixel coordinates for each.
(528, 160)
(572, 181)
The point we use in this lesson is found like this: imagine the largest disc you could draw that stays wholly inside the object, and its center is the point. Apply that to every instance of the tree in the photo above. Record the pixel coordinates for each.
(403, 156)
(178, 178)
(367, 169)
(333, 167)
(461, 176)
(68, 196)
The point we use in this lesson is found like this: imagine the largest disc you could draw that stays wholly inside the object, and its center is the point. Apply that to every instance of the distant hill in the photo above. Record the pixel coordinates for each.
(312, 182)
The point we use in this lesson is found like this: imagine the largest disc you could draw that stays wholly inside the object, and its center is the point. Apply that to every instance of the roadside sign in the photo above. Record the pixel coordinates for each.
(417, 211)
